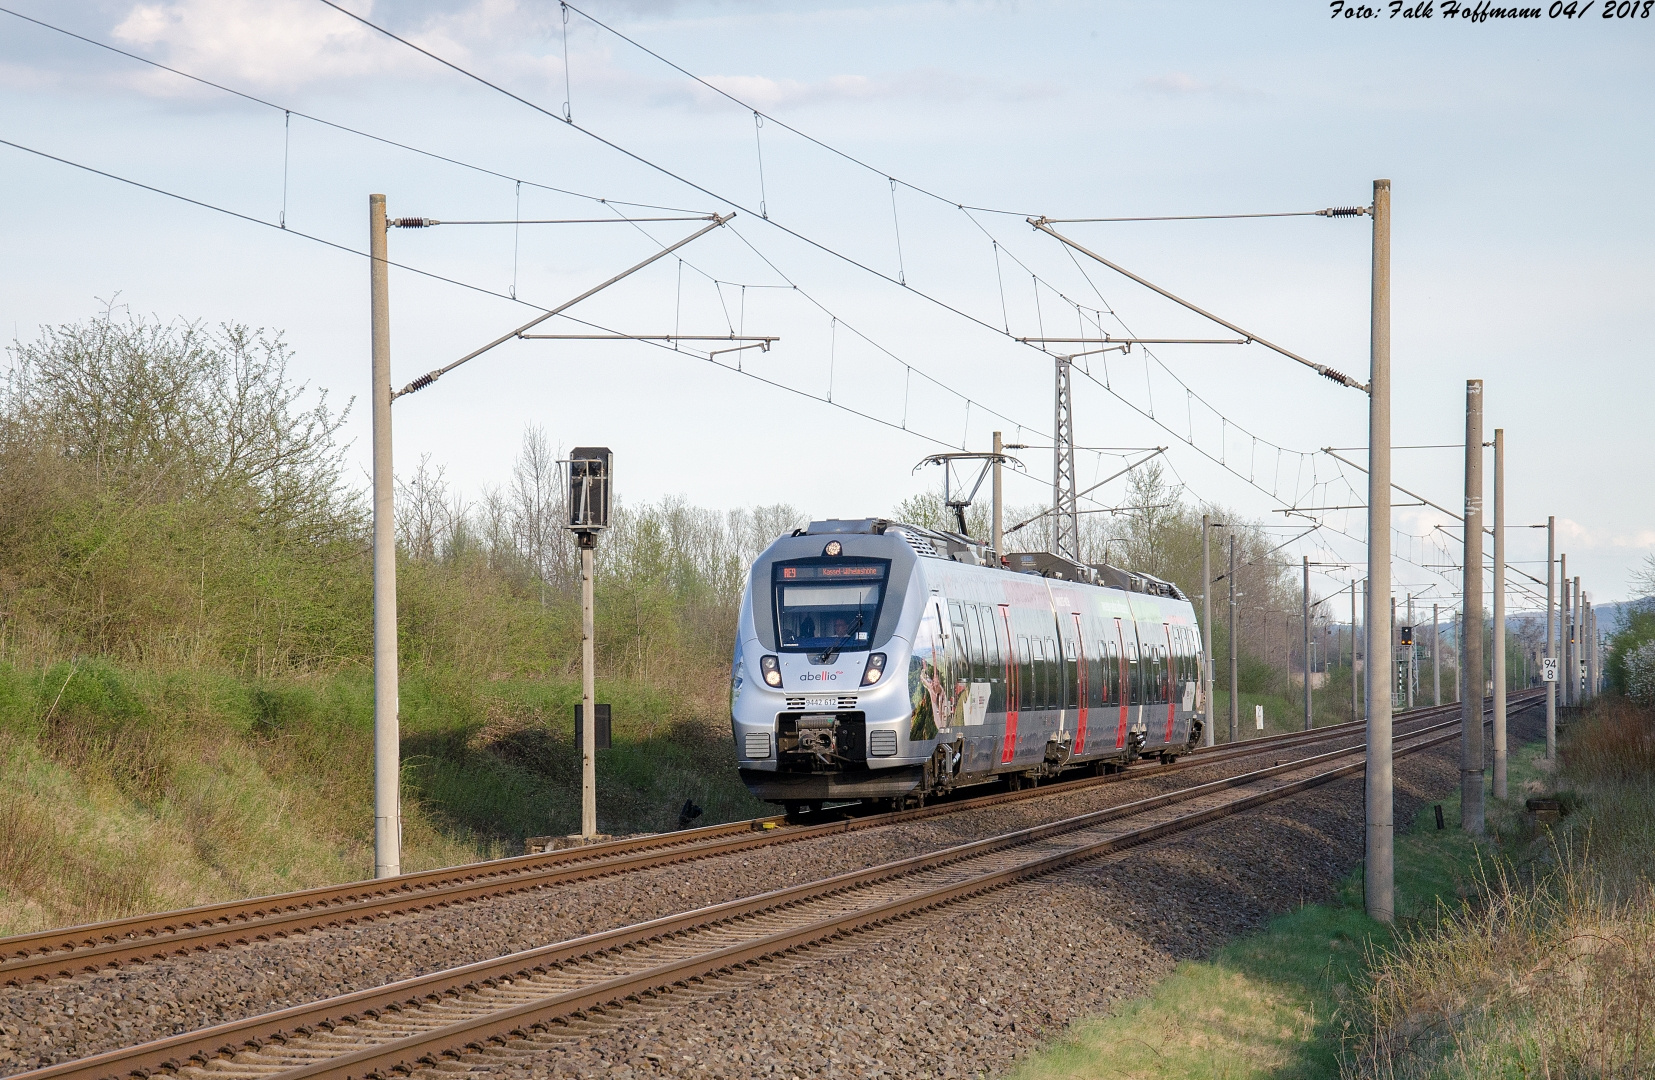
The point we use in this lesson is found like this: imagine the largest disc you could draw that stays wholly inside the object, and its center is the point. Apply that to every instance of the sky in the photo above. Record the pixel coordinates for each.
(882, 163)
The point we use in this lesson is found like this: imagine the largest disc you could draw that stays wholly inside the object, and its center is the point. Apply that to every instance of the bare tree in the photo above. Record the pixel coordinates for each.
(424, 513)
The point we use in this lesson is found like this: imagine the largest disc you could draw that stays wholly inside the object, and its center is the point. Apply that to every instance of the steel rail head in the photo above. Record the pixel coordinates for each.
(404, 1054)
(173, 1052)
(94, 946)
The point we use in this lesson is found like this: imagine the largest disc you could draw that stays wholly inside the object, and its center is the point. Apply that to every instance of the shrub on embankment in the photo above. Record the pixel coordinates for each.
(1550, 971)
(125, 791)
(185, 598)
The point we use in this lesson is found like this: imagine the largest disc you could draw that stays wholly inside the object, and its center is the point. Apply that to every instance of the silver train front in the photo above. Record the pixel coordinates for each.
(876, 660)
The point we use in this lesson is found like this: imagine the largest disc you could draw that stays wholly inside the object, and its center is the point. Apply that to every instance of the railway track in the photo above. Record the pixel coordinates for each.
(442, 1018)
(70, 951)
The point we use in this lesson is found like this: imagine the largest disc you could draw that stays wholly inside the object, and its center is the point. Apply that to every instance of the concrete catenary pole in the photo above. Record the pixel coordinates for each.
(999, 502)
(1436, 654)
(1459, 661)
(1591, 648)
(1207, 630)
(1472, 812)
(588, 695)
(1563, 696)
(1379, 870)
(1307, 723)
(1355, 705)
(1413, 652)
(1551, 629)
(1394, 646)
(387, 735)
(1577, 642)
(1235, 696)
(1499, 644)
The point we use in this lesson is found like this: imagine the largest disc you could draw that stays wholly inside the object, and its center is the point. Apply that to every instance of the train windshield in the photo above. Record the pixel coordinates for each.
(828, 606)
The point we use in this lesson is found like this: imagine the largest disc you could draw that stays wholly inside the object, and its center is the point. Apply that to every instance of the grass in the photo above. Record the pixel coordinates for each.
(124, 791)
(1552, 971)
(1279, 1003)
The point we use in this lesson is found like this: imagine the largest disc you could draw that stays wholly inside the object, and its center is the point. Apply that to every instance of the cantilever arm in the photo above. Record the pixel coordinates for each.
(1320, 369)
(432, 376)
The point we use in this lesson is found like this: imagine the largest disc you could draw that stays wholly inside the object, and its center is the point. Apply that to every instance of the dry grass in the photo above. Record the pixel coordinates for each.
(125, 791)
(1550, 971)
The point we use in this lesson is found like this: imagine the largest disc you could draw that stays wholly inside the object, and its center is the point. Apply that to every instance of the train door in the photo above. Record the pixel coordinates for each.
(1135, 679)
(1123, 685)
(1171, 679)
(1017, 667)
(1083, 688)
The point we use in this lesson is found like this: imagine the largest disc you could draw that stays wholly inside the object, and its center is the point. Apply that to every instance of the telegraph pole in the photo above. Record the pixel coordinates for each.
(1472, 814)
(1379, 881)
(1235, 698)
(1307, 642)
(999, 513)
(1551, 652)
(1500, 613)
(387, 735)
(1207, 627)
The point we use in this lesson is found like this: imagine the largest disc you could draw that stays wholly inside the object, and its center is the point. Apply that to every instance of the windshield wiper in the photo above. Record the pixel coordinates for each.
(827, 657)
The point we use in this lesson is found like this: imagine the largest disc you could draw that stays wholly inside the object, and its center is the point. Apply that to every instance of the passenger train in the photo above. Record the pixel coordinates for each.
(880, 661)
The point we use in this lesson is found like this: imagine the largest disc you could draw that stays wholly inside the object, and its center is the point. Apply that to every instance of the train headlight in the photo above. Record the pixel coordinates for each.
(875, 669)
(833, 549)
(772, 669)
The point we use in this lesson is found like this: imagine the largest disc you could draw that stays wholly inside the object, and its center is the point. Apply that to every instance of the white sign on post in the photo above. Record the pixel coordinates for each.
(1258, 716)
(1548, 669)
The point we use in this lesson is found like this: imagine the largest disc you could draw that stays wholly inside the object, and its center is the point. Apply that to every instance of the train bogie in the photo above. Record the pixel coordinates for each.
(876, 660)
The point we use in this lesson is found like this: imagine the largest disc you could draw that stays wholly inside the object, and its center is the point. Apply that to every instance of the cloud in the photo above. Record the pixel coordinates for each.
(767, 94)
(286, 44)
(1183, 84)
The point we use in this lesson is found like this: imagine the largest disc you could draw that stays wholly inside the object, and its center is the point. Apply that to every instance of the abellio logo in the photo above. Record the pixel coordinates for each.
(820, 676)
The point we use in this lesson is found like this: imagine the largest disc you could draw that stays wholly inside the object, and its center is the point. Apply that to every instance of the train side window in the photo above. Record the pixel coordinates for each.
(991, 640)
(1025, 675)
(974, 633)
(1048, 672)
(1054, 676)
(1106, 674)
(1091, 649)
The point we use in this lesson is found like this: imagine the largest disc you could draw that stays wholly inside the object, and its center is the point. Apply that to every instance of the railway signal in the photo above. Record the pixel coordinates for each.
(591, 481)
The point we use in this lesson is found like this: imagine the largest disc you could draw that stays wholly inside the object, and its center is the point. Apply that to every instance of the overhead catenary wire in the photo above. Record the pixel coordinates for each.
(469, 286)
(333, 124)
(967, 209)
(1332, 211)
(963, 207)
